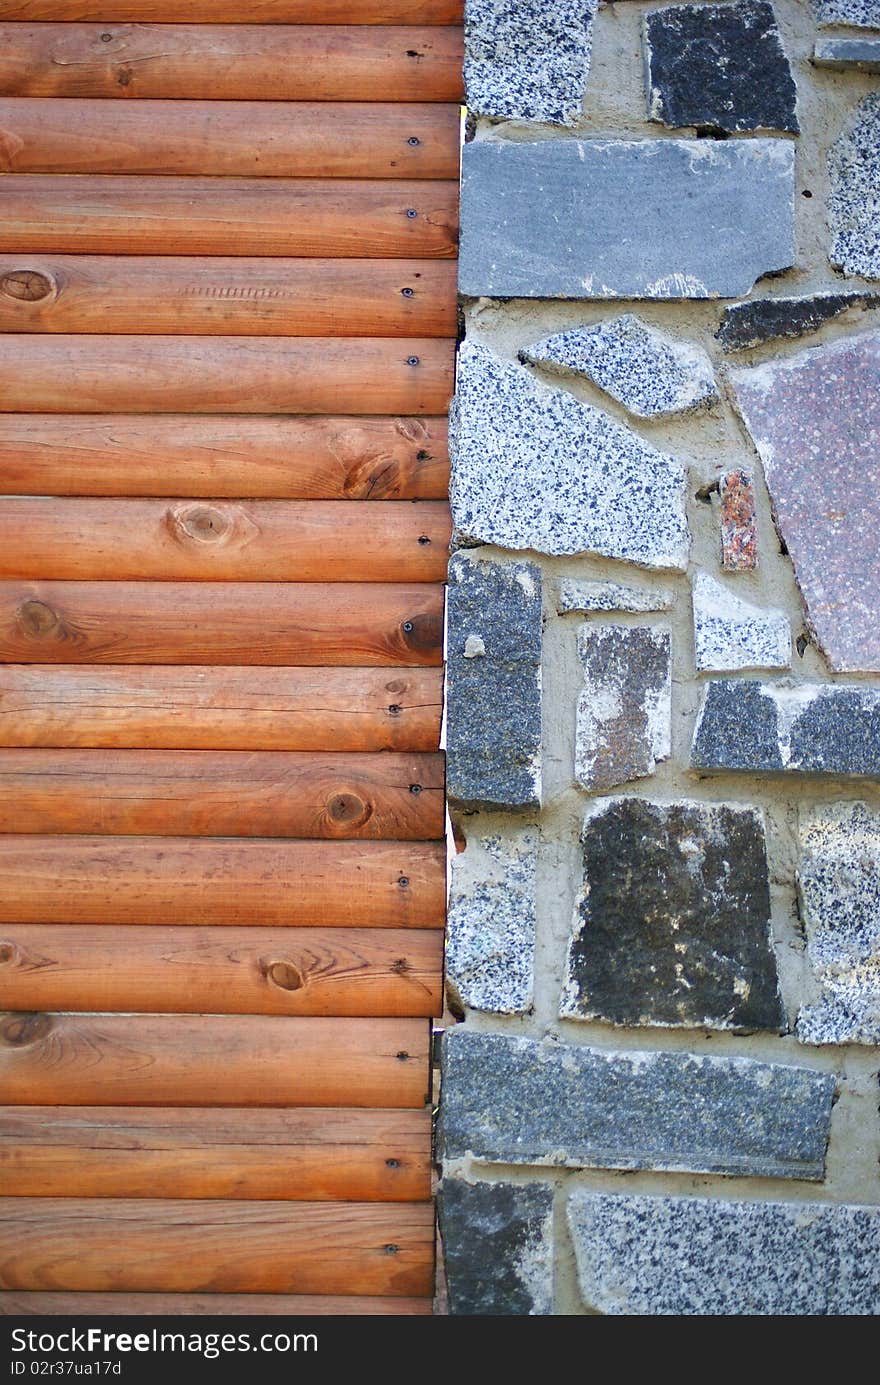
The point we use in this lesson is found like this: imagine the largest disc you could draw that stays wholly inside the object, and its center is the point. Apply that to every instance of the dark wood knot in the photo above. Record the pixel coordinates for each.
(19, 1030)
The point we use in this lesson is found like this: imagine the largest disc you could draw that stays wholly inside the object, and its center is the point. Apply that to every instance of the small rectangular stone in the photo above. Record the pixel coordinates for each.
(767, 319)
(498, 1248)
(701, 1257)
(530, 60)
(575, 596)
(509, 1099)
(490, 932)
(863, 54)
(739, 522)
(658, 219)
(731, 634)
(624, 710)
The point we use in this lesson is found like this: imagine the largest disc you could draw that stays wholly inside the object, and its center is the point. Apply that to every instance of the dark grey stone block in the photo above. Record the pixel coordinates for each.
(863, 54)
(766, 319)
(673, 924)
(494, 679)
(625, 218)
(513, 1100)
(497, 1244)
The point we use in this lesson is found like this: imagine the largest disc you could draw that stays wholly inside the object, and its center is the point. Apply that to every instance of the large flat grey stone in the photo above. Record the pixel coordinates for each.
(854, 201)
(529, 60)
(625, 218)
(839, 887)
(731, 634)
(672, 925)
(490, 931)
(700, 1257)
(532, 468)
(572, 1107)
(498, 1248)
(860, 14)
(624, 710)
(493, 754)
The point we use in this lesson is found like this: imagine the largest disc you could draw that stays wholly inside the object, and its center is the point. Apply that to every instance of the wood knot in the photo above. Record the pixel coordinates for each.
(201, 523)
(19, 1030)
(400, 966)
(348, 810)
(422, 633)
(284, 974)
(37, 618)
(8, 953)
(28, 285)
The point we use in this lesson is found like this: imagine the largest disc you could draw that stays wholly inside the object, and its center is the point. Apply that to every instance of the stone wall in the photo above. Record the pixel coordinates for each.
(664, 664)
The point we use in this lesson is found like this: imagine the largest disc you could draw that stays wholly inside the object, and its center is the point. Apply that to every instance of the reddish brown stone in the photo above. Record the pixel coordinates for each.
(739, 522)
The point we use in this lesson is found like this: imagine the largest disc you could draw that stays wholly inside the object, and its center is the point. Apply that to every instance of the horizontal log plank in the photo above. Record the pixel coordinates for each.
(208, 1305)
(238, 139)
(325, 709)
(238, 375)
(223, 793)
(352, 624)
(253, 971)
(103, 214)
(226, 296)
(223, 540)
(254, 62)
(211, 1060)
(250, 1247)
(241, 11)
(168, 880)
(343, 458)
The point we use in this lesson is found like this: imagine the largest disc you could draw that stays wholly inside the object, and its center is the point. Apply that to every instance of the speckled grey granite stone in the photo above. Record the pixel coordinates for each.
(493, 752)
(573, 1107)
(577, 595)
(808, 728)
(718, 67)
(624, 710)
(490, 932)
(860, 14)
(839, 888)
(603, 218)
(764, 319)
(672, 925)
(701, 1257)
(648, 373)
(863, 54)
(534, 468)
(498, 1248)
(731, 634)
(528, 59)
(854, 201)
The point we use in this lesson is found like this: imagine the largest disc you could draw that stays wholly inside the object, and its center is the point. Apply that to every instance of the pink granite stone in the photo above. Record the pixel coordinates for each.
(815, 419)
(739, 522)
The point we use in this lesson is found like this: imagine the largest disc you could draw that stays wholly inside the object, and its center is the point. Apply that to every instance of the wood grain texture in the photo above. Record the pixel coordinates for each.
(226, 296)
(101, 214)
(168, 880)
(253, 971)
(342, 458)
(254, 62)
(223, 540)
(325, 709)
(303, 623)
(208, 1305)
(308, 1154)
(211, 1060)
(239, 139)
(243, 1247)
(241, 11)
(239, 375)
(223, 793)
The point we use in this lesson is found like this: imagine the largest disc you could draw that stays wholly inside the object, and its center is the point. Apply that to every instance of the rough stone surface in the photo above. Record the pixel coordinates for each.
(811, 728)
(534, 468)
(672, 926)
(528, 60)
(739, 522)
(582, 1108)
(493, 752)
(490, 937)
(860, 14)
(854, 202)
(610, 596)
(815, 420)
(696, 1257)
(766, 319)
(648, 373)
(624, 710)
(731, 634)
(497, 1242)
(718, 67)
(625, 218)
(839, 886)
(863, 54)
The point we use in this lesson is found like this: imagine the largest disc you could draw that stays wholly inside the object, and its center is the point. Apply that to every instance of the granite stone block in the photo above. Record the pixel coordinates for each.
(859, 14)
(731, 634)
(498, 1247)
(841, 54)
(854, 201)
(490, 932)
(739, 522)
(529, 60)
(585, 596)
(766, 319)
(624, 710)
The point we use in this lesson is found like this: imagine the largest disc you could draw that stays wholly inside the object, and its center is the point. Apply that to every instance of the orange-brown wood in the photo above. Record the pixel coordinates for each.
(211, 1060)
(242, 11)
(103, 214)
(251, 1247)
(208, 1305)
(241, 296)
(301, 62)
(173, 880)
(353, 624)
(341, 458)
(350, 1155)
(222, 793)
(223, 540)
(252, 971)
(244, 375)
(323, 709)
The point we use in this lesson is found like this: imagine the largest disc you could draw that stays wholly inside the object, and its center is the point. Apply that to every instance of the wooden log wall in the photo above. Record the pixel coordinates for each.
(227, 327)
